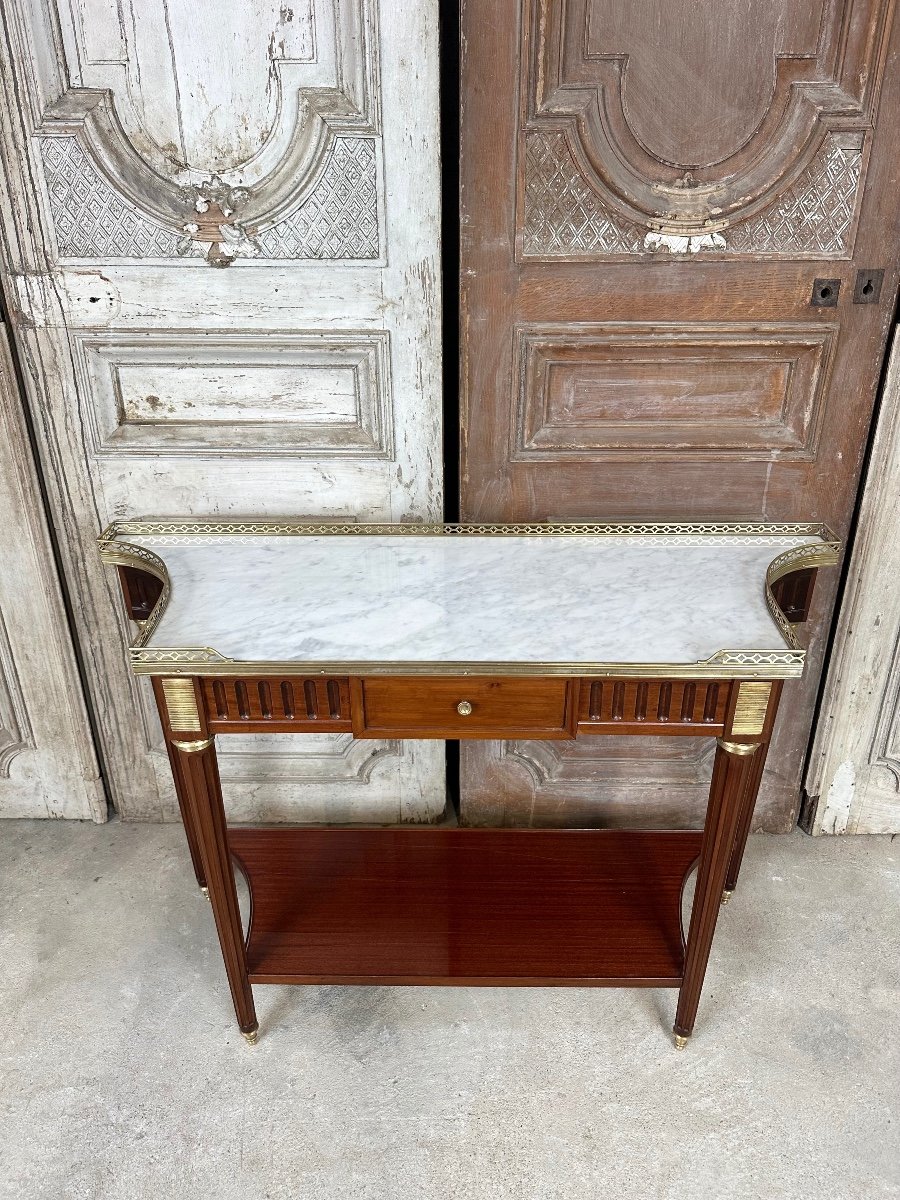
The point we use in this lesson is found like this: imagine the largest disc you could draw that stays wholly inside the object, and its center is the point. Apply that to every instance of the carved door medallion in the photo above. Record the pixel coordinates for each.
(221, 260)
(665, 211)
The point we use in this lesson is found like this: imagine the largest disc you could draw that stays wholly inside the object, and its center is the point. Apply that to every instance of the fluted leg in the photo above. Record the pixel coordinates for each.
(745, 820)
(180, 791)
(200, 773)
(750, 796)
(732, 773)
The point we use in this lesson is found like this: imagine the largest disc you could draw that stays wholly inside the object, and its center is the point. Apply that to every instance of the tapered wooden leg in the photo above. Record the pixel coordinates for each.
(180, 791)
(187, 818)
(732, 772)
(750, 797)
(200, 773)
(745, 820)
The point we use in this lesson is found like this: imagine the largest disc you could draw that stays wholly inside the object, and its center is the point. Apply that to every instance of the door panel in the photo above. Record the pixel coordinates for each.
(47, 763)
(222, 251)
(853, 775)
(647, 204)
(561, 778)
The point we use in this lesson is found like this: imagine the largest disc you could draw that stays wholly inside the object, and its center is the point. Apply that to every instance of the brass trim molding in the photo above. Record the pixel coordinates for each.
(826, 553)
(260, 527)
(194, 747)
(124, 554)
(181, 706)
(741, 749)
(751, 708)
(201, 660)
(768, 664)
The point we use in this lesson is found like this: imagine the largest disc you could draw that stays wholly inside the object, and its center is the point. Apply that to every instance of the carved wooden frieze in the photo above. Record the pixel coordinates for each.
(762, 149)
(655, 706)
(274, 157)
(565, 216)
(304, 701)
(816, 215)
(92, 219)
(340, 218)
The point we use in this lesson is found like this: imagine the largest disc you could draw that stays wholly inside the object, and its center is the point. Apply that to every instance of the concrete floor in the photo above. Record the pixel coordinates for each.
(122, 1074)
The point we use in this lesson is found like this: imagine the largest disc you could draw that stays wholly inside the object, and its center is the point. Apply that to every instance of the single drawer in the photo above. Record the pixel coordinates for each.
(463, 707)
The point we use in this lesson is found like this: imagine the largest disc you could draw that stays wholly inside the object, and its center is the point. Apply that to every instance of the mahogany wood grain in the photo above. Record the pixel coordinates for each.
(141, 591)
(602, 377)
(757, 767)
(187, 815)
(467, 906)
(421, 707)
(647, 706)
(200, 775)
(456, 906)
(278, 704)
(732, 775)
(793, 593)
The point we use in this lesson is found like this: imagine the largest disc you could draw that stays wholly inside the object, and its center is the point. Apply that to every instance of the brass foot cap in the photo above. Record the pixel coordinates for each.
(680, 1042)
(205, 891)
(251, 1036)
(726, 895)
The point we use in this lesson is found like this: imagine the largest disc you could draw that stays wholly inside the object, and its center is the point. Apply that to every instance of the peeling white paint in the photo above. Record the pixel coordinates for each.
(683, 244)
(340, 72)
(839, 800)
(855, 764)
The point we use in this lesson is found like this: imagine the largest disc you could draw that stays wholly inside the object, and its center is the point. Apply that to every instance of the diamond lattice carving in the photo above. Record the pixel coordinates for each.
(93, 221)
(340, 217)
(339, 220)
(564, 216)
(815, 215)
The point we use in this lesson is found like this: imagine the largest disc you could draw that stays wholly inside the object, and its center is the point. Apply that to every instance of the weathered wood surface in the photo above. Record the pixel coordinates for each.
(47, 763)
(639, 338)
(220, 249)
(854, 775)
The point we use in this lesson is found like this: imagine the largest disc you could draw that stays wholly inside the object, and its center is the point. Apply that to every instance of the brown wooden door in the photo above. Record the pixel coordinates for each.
(650, 193)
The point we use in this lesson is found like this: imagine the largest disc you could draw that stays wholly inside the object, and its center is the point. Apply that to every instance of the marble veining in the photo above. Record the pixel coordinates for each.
(384, 599)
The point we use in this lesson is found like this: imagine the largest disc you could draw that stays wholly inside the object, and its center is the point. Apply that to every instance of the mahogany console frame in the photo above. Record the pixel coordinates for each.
(438, 905)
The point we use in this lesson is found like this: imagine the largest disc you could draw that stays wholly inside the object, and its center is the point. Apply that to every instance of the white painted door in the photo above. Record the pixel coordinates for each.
(220, 243)
(854, 774)
(47, 763)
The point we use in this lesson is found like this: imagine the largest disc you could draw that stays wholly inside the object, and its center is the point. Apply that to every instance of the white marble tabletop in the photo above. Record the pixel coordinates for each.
(442, 602)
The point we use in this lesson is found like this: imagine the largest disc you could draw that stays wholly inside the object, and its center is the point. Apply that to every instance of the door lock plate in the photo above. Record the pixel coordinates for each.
(868, 286)
(825, 293)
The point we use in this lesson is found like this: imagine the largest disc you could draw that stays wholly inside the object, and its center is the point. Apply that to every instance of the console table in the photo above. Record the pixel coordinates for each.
(480, 631)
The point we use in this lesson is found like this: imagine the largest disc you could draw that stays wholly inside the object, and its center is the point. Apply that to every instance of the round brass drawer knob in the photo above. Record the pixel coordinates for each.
(464, 708)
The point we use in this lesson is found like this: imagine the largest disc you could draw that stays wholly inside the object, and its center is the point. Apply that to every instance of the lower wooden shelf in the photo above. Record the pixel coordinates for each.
(465, 906)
